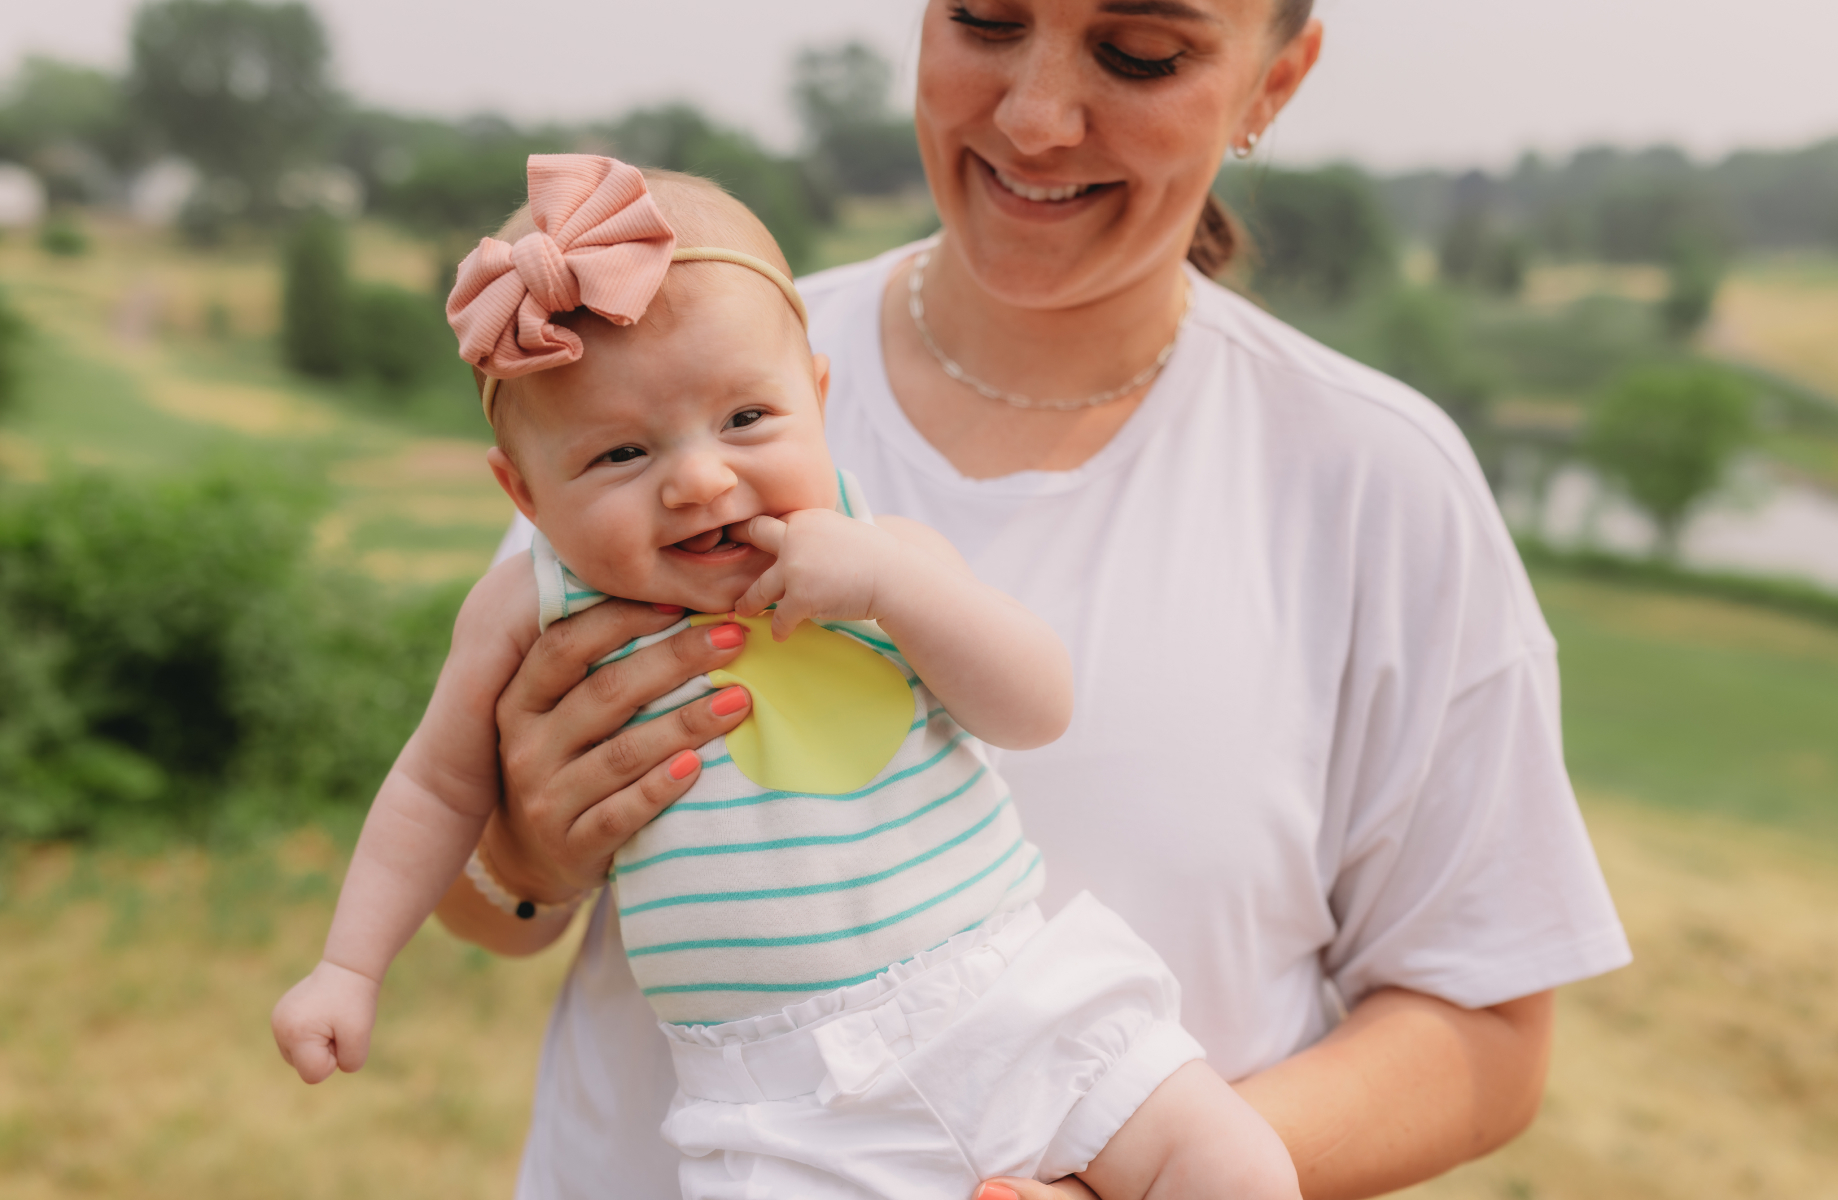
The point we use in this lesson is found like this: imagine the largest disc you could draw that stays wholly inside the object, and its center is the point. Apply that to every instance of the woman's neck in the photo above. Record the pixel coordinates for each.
(1053, 354)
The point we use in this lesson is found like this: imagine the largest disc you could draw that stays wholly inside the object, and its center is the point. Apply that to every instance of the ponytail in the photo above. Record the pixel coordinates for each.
(1217, 239)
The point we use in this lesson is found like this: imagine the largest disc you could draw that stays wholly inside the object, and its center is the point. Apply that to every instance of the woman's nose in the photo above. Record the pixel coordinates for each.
(1043, 108)
(695, 478)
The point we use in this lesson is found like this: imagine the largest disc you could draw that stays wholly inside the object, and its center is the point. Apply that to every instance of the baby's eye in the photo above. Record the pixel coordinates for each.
(624, 454)
(741, 420)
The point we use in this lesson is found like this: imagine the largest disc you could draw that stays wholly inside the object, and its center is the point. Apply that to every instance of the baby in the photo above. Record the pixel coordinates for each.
(836, 924)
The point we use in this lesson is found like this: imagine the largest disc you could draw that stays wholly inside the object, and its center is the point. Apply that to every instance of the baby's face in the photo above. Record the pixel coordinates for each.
(635, 459)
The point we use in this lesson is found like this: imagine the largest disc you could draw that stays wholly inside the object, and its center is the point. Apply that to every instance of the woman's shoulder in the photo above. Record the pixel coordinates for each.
(1334, 405)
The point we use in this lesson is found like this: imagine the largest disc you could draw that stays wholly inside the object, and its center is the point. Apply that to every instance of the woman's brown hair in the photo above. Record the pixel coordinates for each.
(1218, 237)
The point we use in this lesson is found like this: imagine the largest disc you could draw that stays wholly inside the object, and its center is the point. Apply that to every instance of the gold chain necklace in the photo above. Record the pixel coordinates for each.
(915, 306)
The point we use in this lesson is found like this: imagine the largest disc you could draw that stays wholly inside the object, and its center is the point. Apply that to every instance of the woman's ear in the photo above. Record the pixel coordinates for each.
(820, 369)
(505, 471)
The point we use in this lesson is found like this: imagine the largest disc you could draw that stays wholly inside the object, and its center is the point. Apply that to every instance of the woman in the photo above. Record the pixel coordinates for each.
(1316, 760)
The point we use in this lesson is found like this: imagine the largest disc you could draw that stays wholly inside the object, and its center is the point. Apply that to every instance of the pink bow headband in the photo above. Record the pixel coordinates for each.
(600, 241)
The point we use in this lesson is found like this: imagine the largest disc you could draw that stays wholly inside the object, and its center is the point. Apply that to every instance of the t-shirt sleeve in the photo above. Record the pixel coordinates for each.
(1456, 861)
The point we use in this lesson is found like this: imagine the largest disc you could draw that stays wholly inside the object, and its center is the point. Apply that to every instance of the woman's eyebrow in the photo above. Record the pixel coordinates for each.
(1158, 8)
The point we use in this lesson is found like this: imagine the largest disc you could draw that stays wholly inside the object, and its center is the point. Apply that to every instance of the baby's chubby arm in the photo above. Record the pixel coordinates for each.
(1001, 671)
(426, 818)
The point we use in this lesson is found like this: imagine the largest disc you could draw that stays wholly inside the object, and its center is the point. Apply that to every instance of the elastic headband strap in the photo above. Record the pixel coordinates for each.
(489, 392)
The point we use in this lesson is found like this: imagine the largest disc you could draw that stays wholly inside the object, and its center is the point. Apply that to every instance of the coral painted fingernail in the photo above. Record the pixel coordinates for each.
(730, 701)
(668, 608)
(997, 1191)
(683, 764)
(726, 637)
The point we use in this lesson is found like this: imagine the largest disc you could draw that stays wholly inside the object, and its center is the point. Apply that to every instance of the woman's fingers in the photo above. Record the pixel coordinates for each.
(606, 700)
(562, 655)
(1031, 1189)
(604, 827)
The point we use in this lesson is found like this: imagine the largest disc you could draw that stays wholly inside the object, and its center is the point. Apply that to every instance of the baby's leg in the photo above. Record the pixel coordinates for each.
(1194, 1137)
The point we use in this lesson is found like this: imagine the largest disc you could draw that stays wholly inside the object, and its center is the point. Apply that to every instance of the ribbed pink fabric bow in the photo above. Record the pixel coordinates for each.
(600, 241)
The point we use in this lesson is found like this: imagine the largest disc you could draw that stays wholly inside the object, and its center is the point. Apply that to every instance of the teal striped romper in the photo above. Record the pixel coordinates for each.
(738, 900)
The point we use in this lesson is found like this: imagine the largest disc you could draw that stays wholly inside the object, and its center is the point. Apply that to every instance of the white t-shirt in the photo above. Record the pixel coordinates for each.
(1316, 747)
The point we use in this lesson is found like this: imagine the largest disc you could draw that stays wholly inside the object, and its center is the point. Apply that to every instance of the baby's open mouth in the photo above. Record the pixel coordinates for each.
(708, 541)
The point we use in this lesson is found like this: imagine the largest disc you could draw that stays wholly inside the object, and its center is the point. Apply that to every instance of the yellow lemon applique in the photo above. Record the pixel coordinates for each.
(828, 712)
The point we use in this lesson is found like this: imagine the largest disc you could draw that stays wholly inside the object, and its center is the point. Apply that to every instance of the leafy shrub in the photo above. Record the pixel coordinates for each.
(63, 236)
(12, 347)
(398, 335)
(173, 660)
(316, 298)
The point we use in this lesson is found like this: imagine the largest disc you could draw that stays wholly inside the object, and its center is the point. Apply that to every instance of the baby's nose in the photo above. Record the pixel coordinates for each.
(696, 479)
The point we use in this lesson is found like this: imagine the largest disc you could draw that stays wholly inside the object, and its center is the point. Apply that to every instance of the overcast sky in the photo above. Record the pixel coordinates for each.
(1402, 82)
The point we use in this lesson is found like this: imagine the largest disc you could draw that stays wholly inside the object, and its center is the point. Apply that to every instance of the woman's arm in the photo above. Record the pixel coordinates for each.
(1406, 1088)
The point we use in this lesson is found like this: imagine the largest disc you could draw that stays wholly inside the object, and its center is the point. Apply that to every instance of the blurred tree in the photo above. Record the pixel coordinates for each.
(1420, 340)
(843, 95)
(456, 186)
(779, 191)
(1694, 275)
(1476, 253)
(1319, 234)
(71, 125)
(316, 324)
(239, 88)
(1666, 436)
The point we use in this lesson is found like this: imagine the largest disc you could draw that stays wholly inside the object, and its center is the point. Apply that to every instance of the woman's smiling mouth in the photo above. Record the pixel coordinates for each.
(1039, 194)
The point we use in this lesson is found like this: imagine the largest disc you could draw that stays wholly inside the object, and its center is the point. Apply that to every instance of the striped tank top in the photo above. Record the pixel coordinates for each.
(832, 849)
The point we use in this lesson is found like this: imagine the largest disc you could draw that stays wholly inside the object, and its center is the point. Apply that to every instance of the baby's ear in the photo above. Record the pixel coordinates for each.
(820, 371)
(504, 470)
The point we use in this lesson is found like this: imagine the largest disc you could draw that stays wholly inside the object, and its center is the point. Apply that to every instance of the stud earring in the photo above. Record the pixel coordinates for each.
(1243, 150)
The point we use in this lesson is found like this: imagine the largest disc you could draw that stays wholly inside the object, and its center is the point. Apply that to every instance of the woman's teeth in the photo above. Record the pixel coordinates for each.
(1042, 193)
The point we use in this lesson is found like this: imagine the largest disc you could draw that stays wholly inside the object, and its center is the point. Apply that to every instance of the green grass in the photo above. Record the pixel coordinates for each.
(1698, 704)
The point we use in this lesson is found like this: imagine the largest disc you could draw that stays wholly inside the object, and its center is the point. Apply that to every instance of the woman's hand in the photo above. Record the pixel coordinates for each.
(576, 785)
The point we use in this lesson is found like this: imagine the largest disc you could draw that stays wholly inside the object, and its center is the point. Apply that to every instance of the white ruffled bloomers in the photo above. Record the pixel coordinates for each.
(1017, 1048)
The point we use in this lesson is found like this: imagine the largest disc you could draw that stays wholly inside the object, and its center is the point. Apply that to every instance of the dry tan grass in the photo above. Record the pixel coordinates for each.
(1783, 319)
(1710, 1067)
(135, 1059)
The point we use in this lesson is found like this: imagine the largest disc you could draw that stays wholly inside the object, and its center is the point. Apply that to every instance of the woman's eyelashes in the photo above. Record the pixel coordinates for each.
(963, 16)
(1120, 62)
(1110, 56)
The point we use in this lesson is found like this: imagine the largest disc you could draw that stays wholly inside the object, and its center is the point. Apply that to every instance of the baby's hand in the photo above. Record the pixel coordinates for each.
(830, 568)
(324, 1021)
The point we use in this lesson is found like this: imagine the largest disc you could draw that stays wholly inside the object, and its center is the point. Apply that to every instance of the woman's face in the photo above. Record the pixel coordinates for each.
(1070, 143)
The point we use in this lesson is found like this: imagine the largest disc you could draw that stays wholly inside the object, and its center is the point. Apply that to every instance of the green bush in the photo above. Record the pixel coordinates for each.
(174, 661)
(316, 298)
(399, 336)
(63, 236)
(12, 347)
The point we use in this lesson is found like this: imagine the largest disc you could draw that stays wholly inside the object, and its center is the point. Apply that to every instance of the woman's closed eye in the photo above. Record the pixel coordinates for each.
(969, 20)
(1121, 62)
(1110, 56)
